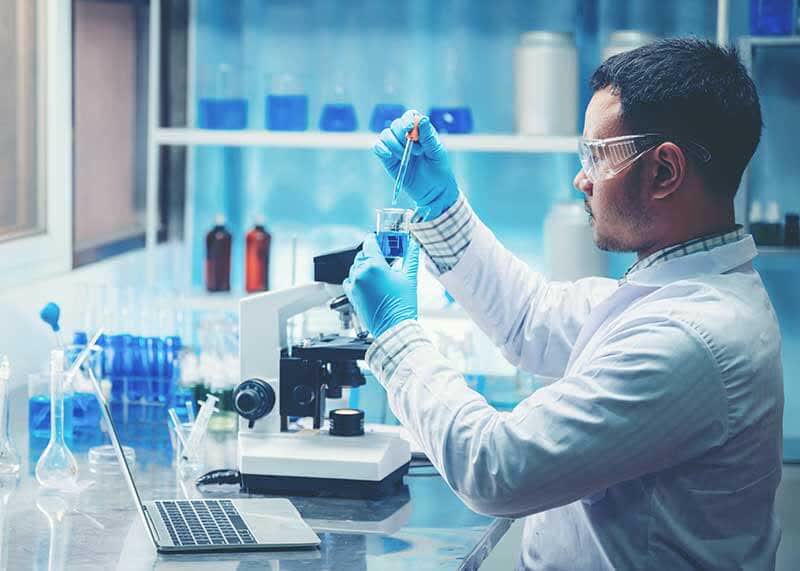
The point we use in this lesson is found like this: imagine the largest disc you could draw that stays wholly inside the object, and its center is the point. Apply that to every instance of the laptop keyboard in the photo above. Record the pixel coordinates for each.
(204, 522)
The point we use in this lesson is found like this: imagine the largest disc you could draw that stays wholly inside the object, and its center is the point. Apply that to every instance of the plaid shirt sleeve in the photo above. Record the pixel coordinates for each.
(446, 238)
(389, 350)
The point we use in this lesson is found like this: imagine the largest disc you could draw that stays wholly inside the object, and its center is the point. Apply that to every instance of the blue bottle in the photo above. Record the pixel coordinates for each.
(138, 384)
(287, 112)
(339, 117)
(383, 115)
(455, 120)
(772, 17)
(222, 113)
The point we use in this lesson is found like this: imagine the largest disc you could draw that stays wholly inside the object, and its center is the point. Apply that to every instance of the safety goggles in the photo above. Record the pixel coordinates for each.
(602, 159)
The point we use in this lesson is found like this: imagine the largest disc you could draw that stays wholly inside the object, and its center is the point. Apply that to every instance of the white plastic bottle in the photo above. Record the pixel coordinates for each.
(546, 84)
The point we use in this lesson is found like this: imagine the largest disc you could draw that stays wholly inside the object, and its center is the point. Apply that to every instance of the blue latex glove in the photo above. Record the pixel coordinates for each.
(382, 296)
(429, 180)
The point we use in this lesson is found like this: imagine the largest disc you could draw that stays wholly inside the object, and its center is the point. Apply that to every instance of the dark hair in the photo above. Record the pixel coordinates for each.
(692, 90)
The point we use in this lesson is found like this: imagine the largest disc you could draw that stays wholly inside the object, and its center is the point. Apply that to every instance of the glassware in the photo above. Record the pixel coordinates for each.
(772, 17)
(286, 104)
(257, 257)
(338, 114)
(387, 111)
(451, 115)
(39, 408)
(392, 230)
(218, 257)
(109, 489)
(9, 457)
(223, 108)
(57, 467)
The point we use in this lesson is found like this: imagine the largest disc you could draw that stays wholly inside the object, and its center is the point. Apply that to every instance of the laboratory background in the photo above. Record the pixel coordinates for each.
(162, 160)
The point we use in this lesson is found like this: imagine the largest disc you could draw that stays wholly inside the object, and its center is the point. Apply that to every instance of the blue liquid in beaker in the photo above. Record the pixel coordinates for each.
(39, 416)
(456, 120)
(287, 112)
(383, 115)
(338, 117)
(222, 114)
(393, 244)
(85, 411)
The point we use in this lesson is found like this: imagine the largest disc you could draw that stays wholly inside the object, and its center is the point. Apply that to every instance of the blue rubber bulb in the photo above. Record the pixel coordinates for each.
(50, 314)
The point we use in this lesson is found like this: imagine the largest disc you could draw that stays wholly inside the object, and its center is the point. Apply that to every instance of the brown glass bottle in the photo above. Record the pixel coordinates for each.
(218, 257)
(256, 260)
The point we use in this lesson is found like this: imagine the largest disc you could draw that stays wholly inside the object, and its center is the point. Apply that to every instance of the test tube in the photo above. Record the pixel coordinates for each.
(392, 230)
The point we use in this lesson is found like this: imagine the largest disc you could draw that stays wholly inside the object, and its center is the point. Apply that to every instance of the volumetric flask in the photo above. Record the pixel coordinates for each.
(392, 230)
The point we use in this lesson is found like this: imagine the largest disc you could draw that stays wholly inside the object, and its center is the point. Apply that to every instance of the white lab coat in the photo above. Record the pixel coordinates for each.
(658, 447)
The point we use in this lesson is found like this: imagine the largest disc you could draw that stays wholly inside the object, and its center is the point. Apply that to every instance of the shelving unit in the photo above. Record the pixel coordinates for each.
(360, 140)
(747, 45)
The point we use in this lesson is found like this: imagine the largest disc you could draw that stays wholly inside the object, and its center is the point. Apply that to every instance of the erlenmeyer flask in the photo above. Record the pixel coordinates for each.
(57, 467)
(9, 458)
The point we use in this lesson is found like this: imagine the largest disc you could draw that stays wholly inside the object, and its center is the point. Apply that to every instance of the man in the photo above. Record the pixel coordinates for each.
(659, 444)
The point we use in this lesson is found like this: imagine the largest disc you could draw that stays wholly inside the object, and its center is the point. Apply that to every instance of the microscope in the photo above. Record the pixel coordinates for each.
(281, 383)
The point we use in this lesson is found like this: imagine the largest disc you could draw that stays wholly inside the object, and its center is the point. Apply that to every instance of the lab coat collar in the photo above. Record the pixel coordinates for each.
(715, 261)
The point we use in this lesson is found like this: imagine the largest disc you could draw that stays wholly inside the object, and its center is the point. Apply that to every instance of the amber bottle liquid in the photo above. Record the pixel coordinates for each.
(218, 257)
(256, 260)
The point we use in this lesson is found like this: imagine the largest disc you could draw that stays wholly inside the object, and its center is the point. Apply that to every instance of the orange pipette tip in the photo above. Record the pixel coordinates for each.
(413, 134)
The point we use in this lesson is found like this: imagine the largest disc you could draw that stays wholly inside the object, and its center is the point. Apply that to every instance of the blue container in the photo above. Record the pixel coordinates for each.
(338, 117)
(287, 112)
(772, 17)
(383, 115)
(222, 113)
(393, 244)
(39, 417)
(456, 120)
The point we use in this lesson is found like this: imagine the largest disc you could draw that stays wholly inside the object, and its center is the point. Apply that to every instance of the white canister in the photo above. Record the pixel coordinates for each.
(570, 251)
(546, 78)
(625, 40)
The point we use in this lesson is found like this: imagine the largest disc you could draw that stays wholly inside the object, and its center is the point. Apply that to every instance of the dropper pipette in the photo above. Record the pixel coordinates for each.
(411, 137)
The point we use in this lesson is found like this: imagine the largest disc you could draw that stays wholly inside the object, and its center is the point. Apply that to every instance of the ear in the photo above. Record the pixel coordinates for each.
(668, 170)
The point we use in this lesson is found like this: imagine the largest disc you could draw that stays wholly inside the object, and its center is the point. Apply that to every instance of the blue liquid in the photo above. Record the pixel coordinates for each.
(338, 117)
(287, 112)
(222, 113)
(771, 17)
(39, 417)
(383, 115)
(393, 244)
(85, 411)
(456, 120)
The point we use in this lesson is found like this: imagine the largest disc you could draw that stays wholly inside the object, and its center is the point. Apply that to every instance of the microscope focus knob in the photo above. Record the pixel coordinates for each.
(254, 399)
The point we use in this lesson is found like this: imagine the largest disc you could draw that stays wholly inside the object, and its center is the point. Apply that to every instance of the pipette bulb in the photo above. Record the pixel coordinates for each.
(50, 314)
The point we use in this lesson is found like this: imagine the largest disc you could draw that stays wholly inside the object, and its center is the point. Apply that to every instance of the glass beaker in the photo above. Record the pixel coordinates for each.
(9, 457)
(223, 106)
(392, 230)
(286, 105)
(388, 109)
(338, 113)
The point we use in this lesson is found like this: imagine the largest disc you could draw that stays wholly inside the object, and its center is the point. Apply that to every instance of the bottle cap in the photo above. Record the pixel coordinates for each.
(756, 214)
(219, 219)
(773, 213)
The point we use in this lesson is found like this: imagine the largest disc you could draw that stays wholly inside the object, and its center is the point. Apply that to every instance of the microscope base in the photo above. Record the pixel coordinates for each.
(303, 486)
(312, 462)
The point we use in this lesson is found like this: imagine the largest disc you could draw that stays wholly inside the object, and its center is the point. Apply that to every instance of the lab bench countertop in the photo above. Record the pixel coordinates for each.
(422, 526)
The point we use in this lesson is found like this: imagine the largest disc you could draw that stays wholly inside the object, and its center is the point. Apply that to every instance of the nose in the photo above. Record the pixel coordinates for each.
(582, 183)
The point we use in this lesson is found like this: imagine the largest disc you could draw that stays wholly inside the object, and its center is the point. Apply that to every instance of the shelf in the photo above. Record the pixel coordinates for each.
(777, 250)
(766, 41)
(360, 141)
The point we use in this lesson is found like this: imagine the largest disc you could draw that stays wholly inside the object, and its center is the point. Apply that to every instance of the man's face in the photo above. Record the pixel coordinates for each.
(618, 213)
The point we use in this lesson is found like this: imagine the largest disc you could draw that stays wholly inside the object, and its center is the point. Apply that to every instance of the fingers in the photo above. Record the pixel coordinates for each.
(411, 263)
(390, 162)
(429, 143)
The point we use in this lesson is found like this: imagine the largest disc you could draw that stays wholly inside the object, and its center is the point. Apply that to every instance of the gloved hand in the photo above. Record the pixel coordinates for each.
(429, 180)
(382, 296)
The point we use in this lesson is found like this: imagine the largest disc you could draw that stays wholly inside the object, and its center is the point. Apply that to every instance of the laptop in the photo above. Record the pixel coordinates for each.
(211, 525)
